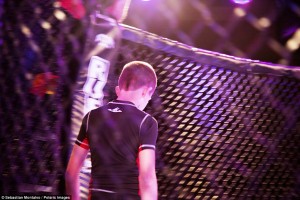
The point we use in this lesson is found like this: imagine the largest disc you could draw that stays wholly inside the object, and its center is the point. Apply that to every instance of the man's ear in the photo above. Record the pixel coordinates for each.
(117, 89)
(147, 91)
(150, 91)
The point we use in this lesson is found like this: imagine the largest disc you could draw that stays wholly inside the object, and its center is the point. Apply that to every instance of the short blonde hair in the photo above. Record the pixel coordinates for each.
(137, 74)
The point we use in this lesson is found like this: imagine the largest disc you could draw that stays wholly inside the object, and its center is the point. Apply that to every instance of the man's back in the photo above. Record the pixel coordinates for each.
(115, 133)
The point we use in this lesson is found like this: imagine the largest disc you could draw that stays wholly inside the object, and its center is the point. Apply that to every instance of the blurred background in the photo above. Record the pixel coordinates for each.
(266, 30)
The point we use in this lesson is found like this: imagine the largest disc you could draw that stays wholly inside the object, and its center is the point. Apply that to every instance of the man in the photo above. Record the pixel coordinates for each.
(101, 49)
(121, 138)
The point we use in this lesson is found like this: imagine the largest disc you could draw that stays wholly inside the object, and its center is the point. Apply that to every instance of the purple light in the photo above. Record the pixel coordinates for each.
(241, 1)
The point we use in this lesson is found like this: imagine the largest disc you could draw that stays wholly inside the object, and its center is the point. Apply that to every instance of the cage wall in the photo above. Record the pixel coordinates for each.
(228, 127)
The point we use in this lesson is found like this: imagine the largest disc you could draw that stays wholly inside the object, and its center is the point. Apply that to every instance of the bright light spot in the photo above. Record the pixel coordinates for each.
(264, 22)
(239, 12)
(59, 15)
(45, 25)
(57, 4)
(34, 46)
(28, 76)
(38, 10)
(297, 34)
(25, 30)
(241, 1)
(292, 44)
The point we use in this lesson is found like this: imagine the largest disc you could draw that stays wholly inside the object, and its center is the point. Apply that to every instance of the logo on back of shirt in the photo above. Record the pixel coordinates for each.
(115, 110)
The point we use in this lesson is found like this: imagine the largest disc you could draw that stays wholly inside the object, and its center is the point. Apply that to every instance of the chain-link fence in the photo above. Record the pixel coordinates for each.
(229, 127)
(40, 58)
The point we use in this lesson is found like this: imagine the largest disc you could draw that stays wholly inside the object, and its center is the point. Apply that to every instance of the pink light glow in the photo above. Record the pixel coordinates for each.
(241, 1)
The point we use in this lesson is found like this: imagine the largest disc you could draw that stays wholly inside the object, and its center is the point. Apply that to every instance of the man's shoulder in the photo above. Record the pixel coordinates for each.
(97, 110)
(148, 117)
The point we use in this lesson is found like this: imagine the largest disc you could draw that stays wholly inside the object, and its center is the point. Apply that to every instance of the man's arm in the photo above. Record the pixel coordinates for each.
(147, 175)
(72, 173)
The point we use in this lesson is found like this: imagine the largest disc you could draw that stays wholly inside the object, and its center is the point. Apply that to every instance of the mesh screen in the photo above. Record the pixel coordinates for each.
(228, 128)
(40, 56)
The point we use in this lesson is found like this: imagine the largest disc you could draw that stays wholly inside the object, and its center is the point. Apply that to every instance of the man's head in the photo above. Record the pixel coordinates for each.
(137, 80)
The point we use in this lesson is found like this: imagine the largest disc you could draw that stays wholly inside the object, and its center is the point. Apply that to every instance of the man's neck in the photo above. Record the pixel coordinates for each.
(126, 98)
(133, 96)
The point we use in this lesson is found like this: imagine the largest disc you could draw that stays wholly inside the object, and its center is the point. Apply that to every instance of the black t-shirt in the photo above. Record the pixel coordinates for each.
(115, 133)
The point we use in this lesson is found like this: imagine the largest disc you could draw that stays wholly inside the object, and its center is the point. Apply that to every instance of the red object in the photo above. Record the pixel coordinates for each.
(44, 83)
(74, 7)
